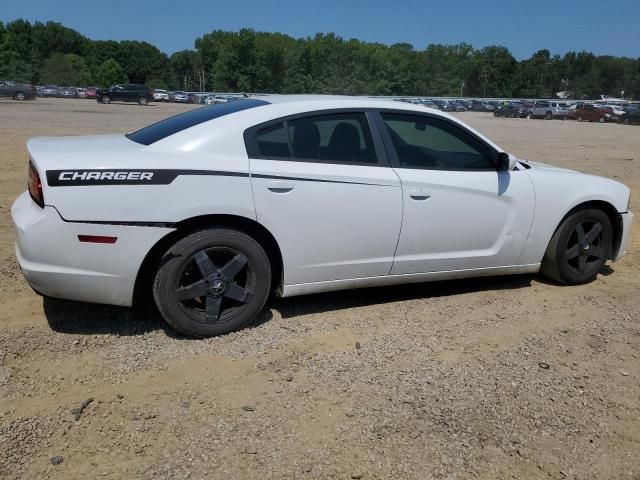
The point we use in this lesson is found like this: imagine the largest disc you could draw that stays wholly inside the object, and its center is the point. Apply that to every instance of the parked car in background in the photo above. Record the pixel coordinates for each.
(82, 92)
(67, 92)
(180, 97)
(126, 92)
(480, 106)
(511, 110)
(50, 91)
(160, 95)
(90, 92)
(548, 110)
(632, 115)
(590, 113)
(195, 97)
(17, 90)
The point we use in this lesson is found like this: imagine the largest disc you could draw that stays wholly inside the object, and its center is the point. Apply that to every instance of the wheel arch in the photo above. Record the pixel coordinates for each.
(612, 214)
(144, 279)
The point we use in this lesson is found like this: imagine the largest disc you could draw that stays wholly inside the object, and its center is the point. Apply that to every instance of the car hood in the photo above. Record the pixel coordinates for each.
(546, 167)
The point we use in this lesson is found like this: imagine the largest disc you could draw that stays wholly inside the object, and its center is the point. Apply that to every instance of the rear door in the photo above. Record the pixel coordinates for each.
(322, 186)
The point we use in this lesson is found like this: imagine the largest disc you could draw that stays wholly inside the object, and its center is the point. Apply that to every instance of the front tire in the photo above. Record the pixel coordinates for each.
(19, 96)
(529, 115)
(549, 116)
(142, 101)
(579, 248)
(602, 120)
(212, 282)
(579, 118)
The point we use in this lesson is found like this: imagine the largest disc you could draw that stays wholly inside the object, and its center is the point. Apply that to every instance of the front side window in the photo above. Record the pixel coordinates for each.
(339, 137)
(431, 143)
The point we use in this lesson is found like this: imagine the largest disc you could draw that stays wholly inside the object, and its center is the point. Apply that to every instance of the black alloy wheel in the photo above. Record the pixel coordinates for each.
(215, 284)
(579, 248)
(212, 282)
(585, 250)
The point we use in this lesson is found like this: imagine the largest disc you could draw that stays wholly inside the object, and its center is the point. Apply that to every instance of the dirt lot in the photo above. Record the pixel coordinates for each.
(426, 381)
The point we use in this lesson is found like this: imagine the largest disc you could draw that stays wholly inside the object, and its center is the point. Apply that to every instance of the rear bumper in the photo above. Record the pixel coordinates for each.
(627, 221)
(57, 264)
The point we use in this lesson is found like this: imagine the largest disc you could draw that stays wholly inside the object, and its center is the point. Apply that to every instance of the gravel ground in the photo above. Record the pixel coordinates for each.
(510, 377)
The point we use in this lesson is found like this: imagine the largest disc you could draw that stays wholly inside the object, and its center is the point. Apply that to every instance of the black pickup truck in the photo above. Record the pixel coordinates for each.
(125, 92)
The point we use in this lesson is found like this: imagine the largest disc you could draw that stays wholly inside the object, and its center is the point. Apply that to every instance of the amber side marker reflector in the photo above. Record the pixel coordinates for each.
(97, 239)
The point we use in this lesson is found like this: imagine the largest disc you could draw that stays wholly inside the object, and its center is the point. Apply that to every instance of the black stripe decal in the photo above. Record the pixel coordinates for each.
(303, 179)
(76, 178)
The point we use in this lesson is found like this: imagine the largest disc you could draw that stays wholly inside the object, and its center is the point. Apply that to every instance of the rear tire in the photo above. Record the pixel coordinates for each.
(143, 101)
(19, 96)
(549, 116)
(529, 115)
(602, 120)
(106, 99)
(212, 282)
(626, 121)
(579, 118)
(579, 248)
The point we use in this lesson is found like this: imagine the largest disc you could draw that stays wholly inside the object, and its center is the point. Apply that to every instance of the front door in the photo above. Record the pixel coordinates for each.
(460, 213)
(322, 189)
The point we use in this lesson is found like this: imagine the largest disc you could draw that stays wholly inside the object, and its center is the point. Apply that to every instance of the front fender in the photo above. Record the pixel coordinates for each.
(558, 192)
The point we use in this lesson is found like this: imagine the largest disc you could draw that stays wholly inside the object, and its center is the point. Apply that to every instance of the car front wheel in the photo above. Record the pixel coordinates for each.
(579, 248)
(19, 96)
(212, 282)
(142, 101)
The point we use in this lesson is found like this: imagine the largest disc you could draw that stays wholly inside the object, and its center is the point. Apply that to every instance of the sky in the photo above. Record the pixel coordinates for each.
(609, 27)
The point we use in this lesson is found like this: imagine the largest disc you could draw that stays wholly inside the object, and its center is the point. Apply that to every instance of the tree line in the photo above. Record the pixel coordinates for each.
(250, 61)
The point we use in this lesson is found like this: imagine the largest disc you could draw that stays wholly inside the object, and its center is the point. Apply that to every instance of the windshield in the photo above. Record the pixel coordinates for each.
(182, 121)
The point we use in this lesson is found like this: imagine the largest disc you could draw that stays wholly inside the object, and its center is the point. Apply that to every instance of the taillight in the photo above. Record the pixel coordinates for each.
(35, 185)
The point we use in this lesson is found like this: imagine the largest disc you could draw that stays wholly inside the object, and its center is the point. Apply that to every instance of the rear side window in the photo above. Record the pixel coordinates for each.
(169, 126)
(273, 141)
(332, 138)
(340, 138)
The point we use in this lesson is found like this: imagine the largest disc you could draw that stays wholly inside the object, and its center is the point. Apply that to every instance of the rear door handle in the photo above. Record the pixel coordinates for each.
(280, 187)
(419, 194)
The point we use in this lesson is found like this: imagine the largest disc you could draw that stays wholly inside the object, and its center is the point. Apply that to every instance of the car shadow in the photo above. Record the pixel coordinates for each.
(331, 301)
(79, 318)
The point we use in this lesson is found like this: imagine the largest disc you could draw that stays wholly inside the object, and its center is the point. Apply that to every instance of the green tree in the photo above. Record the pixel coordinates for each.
(65, 69)
(110, 72)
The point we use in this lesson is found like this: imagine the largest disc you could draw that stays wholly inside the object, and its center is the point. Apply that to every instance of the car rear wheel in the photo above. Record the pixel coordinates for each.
(579, 118)
(626, 121)
(142, 100)
(549, 116)
(212, 282)
(529, 115)
(19, 96)
(579, 248)
(495, 114)
(106, 99)
(601, 120)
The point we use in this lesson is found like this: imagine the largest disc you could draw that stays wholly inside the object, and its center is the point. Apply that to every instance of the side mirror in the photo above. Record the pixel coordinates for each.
(505, 162)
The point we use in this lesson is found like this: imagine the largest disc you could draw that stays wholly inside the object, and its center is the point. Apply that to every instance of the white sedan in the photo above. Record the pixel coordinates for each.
(211, 210)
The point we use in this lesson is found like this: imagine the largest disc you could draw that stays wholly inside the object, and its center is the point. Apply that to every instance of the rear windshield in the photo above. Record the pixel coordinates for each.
(169, 126)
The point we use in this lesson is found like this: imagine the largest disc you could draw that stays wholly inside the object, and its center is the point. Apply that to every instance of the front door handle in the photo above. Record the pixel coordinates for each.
(280, 187)
(419, 194)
